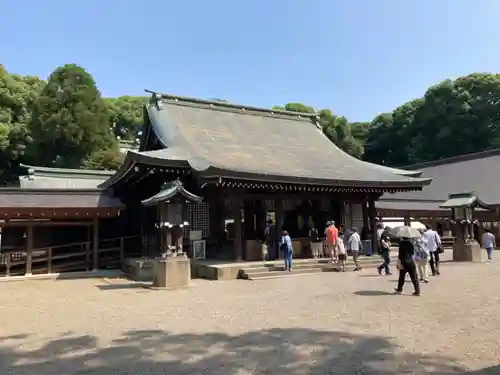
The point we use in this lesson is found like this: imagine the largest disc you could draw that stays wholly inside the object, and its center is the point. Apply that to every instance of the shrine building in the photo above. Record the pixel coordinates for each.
(227, 167)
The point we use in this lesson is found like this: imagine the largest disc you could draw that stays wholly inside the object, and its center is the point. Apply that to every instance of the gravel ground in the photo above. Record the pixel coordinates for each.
(321, 324)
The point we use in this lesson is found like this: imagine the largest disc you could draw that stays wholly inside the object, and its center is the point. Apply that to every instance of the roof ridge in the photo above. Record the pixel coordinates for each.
(67, 170)
(455, 159)
(224, 104)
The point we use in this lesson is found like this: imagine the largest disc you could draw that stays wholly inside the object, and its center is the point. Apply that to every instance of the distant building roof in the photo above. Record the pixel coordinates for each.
(218, 139)
(62, 178)
(56, 198)
(478, 172)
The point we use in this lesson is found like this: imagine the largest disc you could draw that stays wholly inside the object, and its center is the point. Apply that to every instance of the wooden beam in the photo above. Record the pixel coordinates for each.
(95, 245)
(238, 238)
(372, 213)
(87, 247)
(279, 218)
(29, 248)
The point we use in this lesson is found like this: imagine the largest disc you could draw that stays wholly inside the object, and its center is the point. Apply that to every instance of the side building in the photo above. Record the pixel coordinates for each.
(473, 173)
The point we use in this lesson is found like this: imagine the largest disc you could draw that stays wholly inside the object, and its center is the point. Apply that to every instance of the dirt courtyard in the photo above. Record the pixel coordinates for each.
(320, 324)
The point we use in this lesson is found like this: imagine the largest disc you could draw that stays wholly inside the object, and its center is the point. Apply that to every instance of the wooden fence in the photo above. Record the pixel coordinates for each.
(77, 256)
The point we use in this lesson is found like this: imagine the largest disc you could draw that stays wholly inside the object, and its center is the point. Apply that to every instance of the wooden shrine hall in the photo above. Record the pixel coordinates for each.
(249, 164)
(228, 167)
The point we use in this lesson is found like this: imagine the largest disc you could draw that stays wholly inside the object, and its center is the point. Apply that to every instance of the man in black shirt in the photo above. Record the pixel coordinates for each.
(315, 242)
(406, 264)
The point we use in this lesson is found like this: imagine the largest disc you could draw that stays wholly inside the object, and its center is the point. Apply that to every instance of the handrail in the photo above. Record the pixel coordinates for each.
(45, 248)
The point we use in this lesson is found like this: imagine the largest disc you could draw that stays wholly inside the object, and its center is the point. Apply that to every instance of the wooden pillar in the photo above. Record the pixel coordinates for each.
(49, 260)
(29, 248)
(279, 217)
(365, 230)
(372, 213)
(260, 219)
(95, 245)
(87, 248)
(238, 238)
(407, 219)
(248, 214)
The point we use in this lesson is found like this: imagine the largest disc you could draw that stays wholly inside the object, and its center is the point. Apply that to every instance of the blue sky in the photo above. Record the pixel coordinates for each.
(356, 57)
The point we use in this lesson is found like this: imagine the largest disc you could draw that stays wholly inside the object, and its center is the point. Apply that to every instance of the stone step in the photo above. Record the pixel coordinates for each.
(263, 273)
(307, 262)
(280, 266)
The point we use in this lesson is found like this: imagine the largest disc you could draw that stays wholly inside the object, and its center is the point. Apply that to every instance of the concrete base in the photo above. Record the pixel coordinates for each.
(172, 273)
(139, 269)
(469, 251)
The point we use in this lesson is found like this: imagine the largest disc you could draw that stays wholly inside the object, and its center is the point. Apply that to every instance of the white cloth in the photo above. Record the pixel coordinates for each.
(423, 269)
(380, 231)
(340, 246)
(431, 240)
(354, 243)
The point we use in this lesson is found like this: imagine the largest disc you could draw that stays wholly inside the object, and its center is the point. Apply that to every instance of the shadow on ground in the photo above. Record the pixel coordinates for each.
(373, 293)
(275, 351)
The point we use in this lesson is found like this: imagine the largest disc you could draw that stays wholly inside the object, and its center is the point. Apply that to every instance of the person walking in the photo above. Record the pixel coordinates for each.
(432, 242)
(380, 234)
(269, 240)
(421, 259)
(287, 250)
(354, 247)
(385, 253)
(406, 265)
(342, 253)
(332, 235)
(315, 242)
(488, 242)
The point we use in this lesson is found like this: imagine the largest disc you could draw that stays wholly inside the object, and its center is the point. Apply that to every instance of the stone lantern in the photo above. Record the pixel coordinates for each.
(172, 269)
(463, 206)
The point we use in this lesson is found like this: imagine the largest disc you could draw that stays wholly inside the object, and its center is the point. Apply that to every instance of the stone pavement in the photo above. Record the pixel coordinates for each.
(323, 324)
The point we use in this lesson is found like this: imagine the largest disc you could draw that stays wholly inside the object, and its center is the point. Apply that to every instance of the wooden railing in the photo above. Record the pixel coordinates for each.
(77, 256)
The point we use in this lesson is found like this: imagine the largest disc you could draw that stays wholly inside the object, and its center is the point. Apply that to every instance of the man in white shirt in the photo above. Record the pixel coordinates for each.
(488, 242)
(432, 242)
(354, 246)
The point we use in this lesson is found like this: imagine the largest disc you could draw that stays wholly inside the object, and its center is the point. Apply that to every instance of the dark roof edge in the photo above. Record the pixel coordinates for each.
(406, 200)
(50, 191)
(454, 159)
(137, 157)
(232, 105)
(61, 171)
(412, 183)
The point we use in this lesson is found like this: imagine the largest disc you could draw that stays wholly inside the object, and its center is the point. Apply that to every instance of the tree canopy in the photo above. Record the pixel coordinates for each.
(69, 120)
(64, 122)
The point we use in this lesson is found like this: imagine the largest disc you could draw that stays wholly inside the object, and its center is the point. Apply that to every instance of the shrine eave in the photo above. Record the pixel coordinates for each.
(464, 200)
(169, 191)
(164, 158)
(226, 178)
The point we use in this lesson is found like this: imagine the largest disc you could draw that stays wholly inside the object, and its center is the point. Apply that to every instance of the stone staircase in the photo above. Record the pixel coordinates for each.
(272, 270)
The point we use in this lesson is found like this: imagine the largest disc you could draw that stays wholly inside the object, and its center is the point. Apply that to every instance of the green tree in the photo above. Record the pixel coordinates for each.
(126, 115)
(454, 117)
(70, 121)
(17, 95)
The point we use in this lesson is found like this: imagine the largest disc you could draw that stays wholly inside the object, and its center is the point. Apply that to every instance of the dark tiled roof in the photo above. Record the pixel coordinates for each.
(169, 191)
(477, 172)
(221, 139)
(56, 198)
